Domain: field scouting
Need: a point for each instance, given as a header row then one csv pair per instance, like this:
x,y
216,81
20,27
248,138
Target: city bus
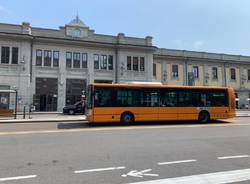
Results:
x,y
133,102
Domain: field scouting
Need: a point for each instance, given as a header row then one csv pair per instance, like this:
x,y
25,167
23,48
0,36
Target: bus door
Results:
x,y
168,109
149,104
188,104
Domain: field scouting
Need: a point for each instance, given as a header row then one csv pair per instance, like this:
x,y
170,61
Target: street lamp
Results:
x,y
122,69
164,76
243,79
206,77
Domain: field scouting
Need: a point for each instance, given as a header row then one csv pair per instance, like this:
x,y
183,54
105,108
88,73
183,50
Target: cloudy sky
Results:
x,y
221,26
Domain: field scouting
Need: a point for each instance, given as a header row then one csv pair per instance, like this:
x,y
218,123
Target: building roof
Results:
x,y
77,22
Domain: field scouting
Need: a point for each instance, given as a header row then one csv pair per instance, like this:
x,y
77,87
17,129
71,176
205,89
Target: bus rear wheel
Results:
x,y
204,117
127,118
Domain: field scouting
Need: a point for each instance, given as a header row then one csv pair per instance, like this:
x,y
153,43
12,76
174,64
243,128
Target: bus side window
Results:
x,y
168,98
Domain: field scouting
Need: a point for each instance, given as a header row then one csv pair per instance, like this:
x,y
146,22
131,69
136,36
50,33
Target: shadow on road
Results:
x,y
161,123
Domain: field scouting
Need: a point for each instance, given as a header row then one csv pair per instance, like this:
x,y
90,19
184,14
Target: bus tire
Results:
x,y
204,117
127,118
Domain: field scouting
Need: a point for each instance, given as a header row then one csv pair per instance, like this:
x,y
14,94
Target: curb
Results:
x,y
42,121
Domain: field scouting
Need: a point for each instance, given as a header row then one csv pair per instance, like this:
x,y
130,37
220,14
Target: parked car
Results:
x,y
77,108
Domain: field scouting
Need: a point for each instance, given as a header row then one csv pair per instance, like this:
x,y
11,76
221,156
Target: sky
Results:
x,y
220,26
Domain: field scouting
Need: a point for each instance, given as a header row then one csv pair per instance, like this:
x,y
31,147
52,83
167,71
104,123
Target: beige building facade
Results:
x,y
51,67
180,67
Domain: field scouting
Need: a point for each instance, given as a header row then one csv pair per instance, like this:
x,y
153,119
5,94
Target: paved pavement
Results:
x,y
43,117
242,113
183,152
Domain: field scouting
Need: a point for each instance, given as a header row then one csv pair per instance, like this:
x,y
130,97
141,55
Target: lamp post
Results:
x,y
122,69
206,78
164,76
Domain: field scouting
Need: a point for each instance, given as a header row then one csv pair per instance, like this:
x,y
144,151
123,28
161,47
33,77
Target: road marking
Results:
x,y
236,156
18,178
140,174
118,128
100,169
176,162
214,178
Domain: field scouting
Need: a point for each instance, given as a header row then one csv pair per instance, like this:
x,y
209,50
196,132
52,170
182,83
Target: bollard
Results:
x,y
29,111
24,111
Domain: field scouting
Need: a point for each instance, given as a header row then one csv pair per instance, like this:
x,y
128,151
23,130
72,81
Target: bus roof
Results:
x,y
157,86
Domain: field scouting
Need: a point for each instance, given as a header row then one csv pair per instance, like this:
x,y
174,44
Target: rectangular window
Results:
x,y
14,55
196,72
96,61
214,73
5,56
76,60
233,74
135,63
175,73
55,58
84,60
69,59
110,62
129,62
154,69
47,58
39,57
142,64
103,62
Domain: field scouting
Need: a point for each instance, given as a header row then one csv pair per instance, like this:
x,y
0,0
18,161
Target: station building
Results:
x,y
51,67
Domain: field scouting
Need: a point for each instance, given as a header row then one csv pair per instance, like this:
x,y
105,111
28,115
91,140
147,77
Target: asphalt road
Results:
x,y
184,152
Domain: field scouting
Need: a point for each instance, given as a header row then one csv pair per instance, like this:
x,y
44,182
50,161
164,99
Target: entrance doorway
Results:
x,y
45,98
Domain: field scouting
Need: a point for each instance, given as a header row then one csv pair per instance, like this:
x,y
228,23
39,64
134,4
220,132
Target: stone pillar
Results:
x,y
149,67
90,73
61,96
224,75
205,75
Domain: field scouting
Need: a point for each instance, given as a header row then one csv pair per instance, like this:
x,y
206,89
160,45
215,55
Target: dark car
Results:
x,y
77,108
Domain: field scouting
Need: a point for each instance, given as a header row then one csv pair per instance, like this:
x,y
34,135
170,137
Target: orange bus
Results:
x,y
127,103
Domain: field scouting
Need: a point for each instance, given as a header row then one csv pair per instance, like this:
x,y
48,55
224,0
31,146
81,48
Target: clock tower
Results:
x,y
76,28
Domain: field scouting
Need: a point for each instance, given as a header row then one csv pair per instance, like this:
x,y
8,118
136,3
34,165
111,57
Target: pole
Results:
x,y
24,110
16,106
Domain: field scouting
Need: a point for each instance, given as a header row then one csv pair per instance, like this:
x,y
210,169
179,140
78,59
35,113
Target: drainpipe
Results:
x,y
116,64
186,72
225,76
31,59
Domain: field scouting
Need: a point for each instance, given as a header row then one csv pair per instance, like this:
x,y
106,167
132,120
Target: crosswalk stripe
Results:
x,y
215,178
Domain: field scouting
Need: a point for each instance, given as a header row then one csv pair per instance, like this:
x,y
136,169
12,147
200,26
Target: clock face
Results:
x,y
76,32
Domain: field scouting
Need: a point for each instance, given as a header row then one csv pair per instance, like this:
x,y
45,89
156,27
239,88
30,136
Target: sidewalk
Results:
x,y
242,113
43,117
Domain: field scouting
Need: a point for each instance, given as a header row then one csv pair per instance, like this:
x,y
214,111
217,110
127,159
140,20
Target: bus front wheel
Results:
x,y
204,117
127,118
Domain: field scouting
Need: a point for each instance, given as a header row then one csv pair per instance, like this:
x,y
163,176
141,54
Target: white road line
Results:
x,y
100,169
214,178
176,162
18,178
236,156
